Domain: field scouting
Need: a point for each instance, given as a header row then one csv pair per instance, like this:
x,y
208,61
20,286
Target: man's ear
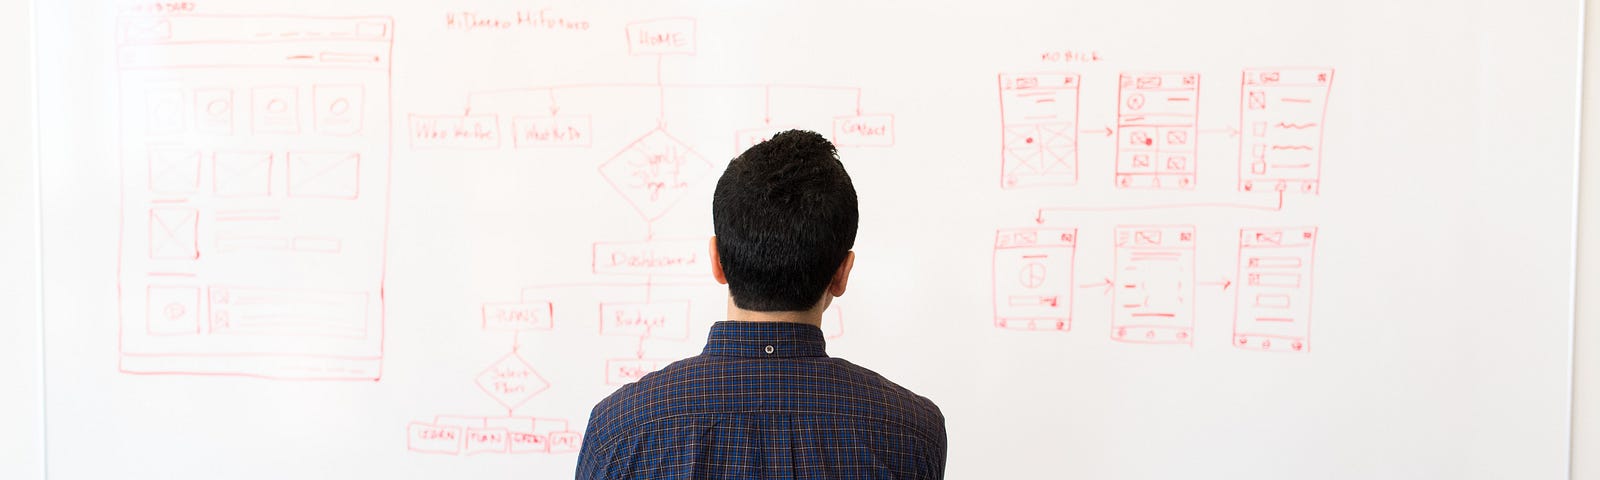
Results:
x,y
716,263
841,277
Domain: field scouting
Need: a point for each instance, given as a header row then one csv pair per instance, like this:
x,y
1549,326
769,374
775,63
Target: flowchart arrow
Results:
x,y
1224,283
1230,130
1274,207
1106,130
1105,283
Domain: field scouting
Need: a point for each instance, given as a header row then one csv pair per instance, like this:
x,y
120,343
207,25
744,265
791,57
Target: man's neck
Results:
x,y
808,317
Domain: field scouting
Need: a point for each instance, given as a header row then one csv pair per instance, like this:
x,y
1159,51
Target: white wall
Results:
x,y
1586,368
21,451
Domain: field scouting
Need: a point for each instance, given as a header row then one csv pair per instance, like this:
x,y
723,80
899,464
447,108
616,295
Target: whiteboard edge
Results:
x,y
40,426
1584,382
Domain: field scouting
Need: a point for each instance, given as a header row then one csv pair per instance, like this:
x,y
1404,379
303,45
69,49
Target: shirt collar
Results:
x,y
765,340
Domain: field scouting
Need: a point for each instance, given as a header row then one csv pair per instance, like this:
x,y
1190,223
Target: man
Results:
x,y
764,400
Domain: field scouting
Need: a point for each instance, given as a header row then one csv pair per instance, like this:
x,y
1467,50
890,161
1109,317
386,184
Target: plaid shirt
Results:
x,y
764,401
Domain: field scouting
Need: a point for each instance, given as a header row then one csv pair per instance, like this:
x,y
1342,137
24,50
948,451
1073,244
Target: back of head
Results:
x,y
785,218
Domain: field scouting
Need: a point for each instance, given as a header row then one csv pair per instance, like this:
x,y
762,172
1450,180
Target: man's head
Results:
x,y
785,218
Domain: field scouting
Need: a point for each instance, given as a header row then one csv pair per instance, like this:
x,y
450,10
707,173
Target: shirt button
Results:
x,y
769,349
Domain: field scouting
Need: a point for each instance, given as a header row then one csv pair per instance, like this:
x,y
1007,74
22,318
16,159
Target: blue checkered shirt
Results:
x,y
763,401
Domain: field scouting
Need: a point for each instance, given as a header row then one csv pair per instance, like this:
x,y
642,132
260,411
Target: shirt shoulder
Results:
x,y
718,385
917,409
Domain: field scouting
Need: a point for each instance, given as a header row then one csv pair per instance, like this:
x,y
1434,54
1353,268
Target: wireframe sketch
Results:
x,y
253,149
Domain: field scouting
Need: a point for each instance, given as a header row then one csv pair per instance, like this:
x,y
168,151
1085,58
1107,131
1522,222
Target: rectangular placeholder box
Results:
x,y
622,371
280,311
871,130
1284,109
174,233
552,131
1039,125
173,310
213,111
662,257
1157,114
524,316
1153,296
339,108
324,175
662,36
1032,277
658,319
426,438
237,174
275,110
174,170
487,440
1274,294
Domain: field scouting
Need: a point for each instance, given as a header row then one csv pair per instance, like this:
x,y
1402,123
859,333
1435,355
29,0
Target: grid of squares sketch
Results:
x,y
240,167
1154,283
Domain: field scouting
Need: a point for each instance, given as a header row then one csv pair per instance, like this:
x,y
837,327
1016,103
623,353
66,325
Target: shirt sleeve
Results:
x,y
591,458
940,453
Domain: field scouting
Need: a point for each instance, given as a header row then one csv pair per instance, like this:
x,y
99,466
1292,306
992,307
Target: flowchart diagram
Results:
x,y
1153,285
643,290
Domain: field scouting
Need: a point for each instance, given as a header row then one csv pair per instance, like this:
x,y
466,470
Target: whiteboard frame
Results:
x,y
22,347
1586,319
23,352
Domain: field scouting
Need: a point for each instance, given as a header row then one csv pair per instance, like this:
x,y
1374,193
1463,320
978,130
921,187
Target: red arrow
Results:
x,y
516,341
1230,130
553,107
1224,283
1107,131
1106,283
640,353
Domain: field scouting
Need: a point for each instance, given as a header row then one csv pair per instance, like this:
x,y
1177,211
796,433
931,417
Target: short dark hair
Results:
x,y
785,217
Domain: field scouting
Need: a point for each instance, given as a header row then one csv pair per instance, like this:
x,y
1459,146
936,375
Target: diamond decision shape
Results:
x,y
654,172
511,381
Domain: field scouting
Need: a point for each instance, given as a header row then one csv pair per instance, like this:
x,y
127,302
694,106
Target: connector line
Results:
x,y
661,93
661,85
1277,206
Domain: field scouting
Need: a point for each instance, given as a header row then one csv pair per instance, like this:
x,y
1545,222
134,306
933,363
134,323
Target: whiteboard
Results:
x,y
1141,240
22,441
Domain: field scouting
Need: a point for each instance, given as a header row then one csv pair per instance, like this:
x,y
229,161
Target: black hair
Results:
x,y
785,217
